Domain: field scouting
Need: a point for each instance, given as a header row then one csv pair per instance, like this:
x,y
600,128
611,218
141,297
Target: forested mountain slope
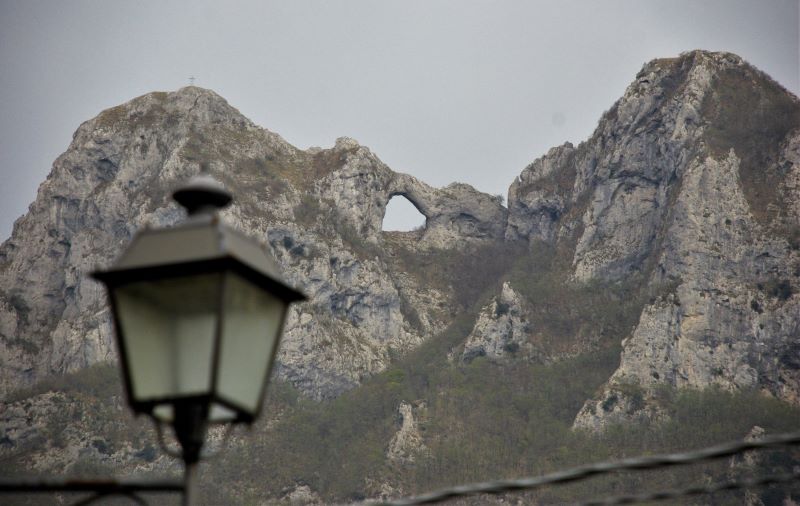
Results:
x,y
650,270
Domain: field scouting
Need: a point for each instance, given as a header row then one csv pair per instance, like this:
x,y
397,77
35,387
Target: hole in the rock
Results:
x,y
402,216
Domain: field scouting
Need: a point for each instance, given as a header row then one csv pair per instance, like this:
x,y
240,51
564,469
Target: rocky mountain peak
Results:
x,y
676,110
346,144
320,211
662,253
688,186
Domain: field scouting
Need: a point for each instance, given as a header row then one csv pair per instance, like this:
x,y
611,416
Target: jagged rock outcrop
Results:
x,y
319,211
363,186
679,187
733,319
539,196
501,329
688,190
406,444
748,464
610,193
302,495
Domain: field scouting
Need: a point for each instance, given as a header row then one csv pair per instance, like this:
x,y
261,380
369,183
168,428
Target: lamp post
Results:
x,y
198,312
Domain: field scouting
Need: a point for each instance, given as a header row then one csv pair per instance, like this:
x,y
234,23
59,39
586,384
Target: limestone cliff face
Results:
x,y
52,319
362,186
501,330
689,182
318,211
689,187
406,445
733,319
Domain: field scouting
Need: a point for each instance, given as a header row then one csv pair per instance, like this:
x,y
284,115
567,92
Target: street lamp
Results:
x,y
198,311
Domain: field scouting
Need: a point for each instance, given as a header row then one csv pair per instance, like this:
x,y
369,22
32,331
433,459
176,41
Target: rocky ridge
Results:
x,y
670,188
501,330
688,188
407,445
319,212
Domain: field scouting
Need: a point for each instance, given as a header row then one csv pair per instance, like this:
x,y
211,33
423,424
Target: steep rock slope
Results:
x,y
319,211
501,329
688,191
690,184
671,234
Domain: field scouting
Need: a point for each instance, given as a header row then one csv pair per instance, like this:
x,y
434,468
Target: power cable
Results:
x,y
591,470
698,490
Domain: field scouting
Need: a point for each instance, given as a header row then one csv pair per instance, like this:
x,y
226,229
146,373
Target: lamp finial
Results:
x,y
202,193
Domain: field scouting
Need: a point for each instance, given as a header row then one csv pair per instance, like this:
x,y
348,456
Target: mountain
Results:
x,y
689,183
319,211
654,266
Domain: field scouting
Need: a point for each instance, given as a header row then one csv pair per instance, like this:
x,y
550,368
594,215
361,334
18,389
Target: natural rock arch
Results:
x,y
402,214
362,186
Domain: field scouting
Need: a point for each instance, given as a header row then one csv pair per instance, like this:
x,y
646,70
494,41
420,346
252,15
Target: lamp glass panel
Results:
x,y
168,329
250,326
219,413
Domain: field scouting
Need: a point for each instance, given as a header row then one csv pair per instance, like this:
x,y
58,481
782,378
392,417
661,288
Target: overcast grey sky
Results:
x,y
444,90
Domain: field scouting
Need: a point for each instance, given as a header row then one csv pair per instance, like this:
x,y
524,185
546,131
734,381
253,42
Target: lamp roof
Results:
x,y
201,244
202,193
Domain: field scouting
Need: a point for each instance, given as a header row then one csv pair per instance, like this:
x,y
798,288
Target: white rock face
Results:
x,y
663,191
718,328
407,445
536,198
302,495
363,186
671,191
501,329
319,212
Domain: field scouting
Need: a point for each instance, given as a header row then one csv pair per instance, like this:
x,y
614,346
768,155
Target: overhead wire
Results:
x,y
587,471
697,490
